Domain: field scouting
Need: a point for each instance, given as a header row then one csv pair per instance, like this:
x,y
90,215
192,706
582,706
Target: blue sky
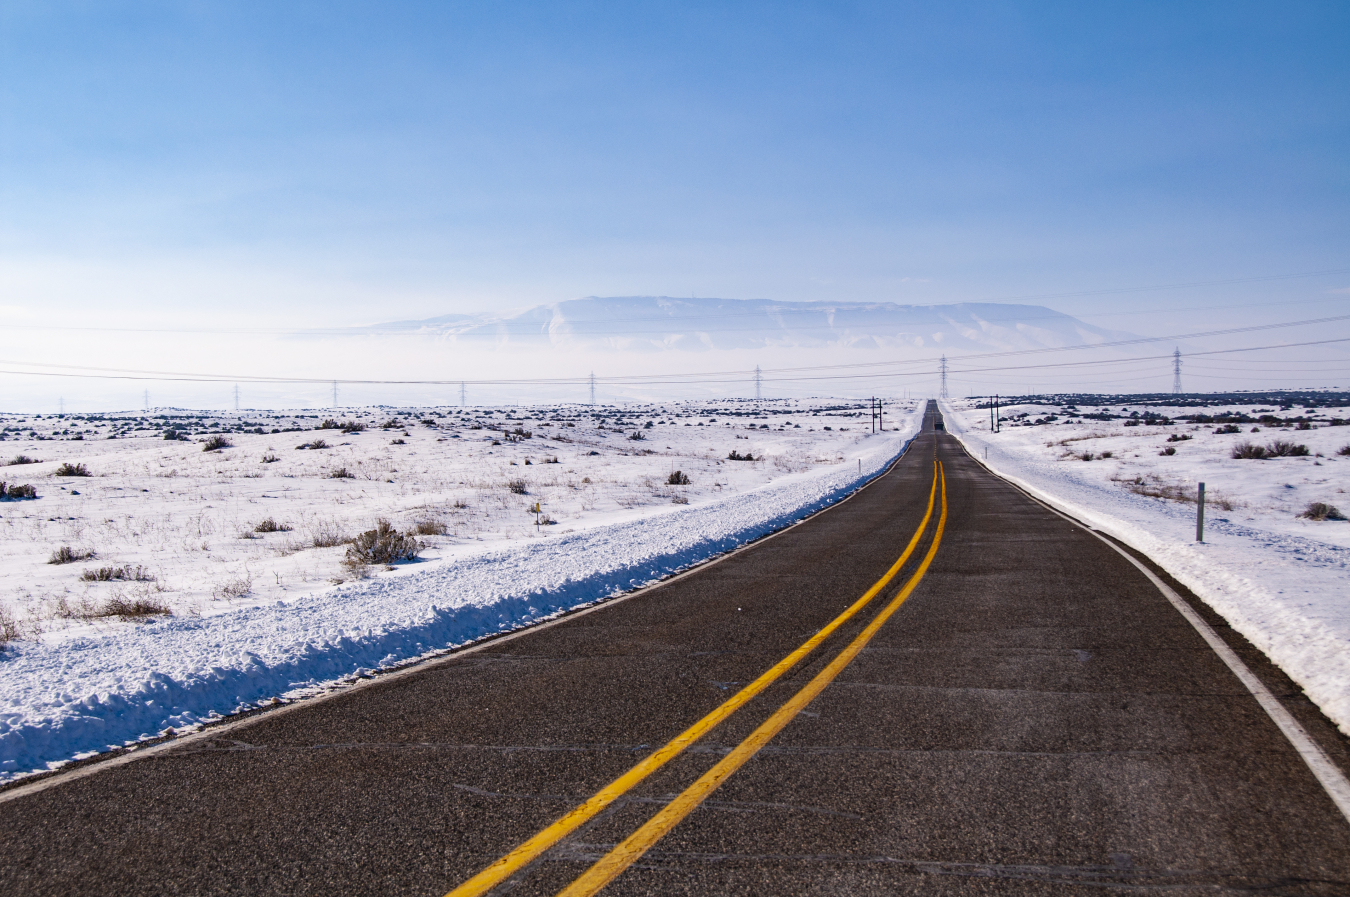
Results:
x,y
222,162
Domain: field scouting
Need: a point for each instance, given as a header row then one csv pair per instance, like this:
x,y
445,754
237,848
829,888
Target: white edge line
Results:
x,y
1327,773
418,665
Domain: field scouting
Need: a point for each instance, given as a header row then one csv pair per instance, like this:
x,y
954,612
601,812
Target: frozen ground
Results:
x,y
523,512
1281,579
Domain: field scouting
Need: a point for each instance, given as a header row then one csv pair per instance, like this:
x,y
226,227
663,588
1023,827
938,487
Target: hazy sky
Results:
x,y
279,164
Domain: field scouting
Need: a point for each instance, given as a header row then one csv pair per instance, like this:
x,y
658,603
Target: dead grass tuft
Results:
x,y
67,555
113,573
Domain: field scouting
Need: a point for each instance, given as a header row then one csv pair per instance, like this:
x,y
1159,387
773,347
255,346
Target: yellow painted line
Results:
x,y
526,853
638,843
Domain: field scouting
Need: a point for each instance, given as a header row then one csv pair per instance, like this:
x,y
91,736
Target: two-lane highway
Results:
x,y
938,686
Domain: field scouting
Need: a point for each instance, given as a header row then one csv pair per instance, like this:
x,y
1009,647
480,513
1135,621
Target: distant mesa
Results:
x,y
654,323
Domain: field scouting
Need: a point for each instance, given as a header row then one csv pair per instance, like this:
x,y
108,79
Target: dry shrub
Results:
x,y
113,573
234,588
517,487
383,545
71,470
9,627
678,478
1343,450
1282,448
271,526
327,535
341,473
67,555
1177,492
430,527
132,608
16,492
216,443
737,456
1322,511
22,459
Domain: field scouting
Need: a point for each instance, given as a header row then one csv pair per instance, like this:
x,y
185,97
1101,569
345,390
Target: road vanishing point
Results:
x,y
939,686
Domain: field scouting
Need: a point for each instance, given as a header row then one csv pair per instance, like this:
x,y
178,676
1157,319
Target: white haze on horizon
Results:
x,y
422,352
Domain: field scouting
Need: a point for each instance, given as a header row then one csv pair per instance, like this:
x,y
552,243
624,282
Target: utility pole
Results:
x,y
759,383
1176,371
592,387
942,367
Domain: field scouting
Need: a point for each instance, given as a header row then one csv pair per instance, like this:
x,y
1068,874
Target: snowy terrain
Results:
x,y
523,513
1280,579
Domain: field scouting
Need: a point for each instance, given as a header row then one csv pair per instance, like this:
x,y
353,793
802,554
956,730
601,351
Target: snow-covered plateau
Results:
x,y
156,582
1275,556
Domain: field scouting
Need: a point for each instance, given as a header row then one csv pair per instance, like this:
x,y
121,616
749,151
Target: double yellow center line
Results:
x,y
640,841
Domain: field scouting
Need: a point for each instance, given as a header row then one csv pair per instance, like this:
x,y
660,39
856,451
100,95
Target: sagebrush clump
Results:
x,y
678,478
1279,448
216,443
271,526
71,470
1320,510
16,492
383,545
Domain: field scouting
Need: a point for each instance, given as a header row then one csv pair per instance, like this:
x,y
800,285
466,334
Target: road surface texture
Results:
x,y
1035,718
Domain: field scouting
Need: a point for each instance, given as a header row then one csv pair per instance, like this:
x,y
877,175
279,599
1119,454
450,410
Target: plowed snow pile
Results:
x,y
235,557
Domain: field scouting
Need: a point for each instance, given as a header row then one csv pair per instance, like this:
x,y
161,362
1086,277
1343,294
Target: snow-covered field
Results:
x,y
179,602
1280,579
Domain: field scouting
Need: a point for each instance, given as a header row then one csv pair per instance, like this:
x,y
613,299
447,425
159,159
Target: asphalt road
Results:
x,y
1034,719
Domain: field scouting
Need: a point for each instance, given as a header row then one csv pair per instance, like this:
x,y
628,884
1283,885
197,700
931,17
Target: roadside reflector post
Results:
x,y
1200,514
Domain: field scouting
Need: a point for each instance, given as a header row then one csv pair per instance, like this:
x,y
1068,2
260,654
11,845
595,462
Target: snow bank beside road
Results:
x,y
1284,591
88,694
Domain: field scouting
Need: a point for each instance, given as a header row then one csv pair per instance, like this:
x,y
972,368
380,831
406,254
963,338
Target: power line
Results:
x,y
691,378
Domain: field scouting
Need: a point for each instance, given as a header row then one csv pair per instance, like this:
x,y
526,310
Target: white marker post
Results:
x,y
1200,514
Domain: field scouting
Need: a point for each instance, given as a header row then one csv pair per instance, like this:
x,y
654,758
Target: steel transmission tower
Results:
x,y
942,367
236,397
461,393
759,383
1176,371
592,387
